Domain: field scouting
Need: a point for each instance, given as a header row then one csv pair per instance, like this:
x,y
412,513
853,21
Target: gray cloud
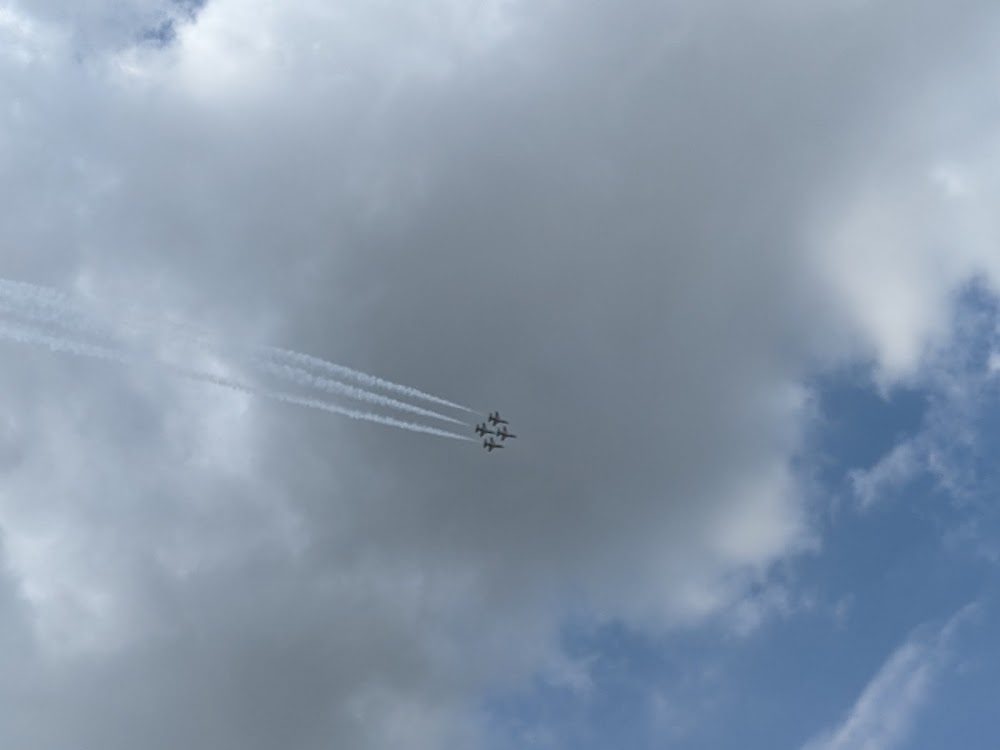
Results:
x,y
602,220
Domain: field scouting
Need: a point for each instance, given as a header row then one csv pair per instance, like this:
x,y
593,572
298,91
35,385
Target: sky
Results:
x,y
730,269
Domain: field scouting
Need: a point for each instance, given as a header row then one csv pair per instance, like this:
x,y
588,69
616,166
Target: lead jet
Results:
x,y
482,429
490,445
495,419
503,434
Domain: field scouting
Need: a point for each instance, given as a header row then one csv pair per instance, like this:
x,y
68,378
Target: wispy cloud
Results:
x,y
959,382
887,708
892,472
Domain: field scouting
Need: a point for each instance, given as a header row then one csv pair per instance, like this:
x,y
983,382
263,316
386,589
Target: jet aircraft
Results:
x,y
495,419
482,429
503,434
490,445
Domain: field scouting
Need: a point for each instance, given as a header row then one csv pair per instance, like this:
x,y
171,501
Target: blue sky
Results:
x,y
729,268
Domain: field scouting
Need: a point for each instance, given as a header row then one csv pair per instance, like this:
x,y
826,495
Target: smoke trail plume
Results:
x,y
51,305
303,377
364,379
26,335
66,314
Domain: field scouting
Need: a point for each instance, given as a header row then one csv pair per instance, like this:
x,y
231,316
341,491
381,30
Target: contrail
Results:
x,y
370,381
303,377
77,319
34,291
53,305
25,335
40,310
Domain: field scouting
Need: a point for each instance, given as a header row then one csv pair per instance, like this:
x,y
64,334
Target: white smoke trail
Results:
x,y
303,377
69,316
26,335
46,311
25,290
44,305
52,305
369,381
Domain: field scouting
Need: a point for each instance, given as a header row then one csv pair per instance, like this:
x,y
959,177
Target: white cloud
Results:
x,y
24,41
993,364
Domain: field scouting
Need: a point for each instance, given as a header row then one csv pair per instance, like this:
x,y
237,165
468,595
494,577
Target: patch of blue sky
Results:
x,y
164,33
857,426
923,547
706,689
957,446
190,6
627,705
160,35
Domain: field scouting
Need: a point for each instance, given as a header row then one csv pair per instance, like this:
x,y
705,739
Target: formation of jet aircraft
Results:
x,y
500,431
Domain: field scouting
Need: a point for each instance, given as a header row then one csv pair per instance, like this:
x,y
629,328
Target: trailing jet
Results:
x,y
503,434
482,429
489,445
495,419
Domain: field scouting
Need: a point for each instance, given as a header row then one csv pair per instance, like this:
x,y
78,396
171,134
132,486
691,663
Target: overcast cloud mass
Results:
x,y
661,236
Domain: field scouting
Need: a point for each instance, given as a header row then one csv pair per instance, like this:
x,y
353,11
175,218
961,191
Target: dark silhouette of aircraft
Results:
x,y
503,434
490,445
482,429
495,419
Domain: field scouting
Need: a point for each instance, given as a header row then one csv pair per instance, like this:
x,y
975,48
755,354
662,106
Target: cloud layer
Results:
x,y
635,227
